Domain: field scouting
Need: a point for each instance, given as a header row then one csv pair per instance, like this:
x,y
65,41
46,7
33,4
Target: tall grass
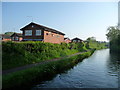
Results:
x,y
27,78
15,54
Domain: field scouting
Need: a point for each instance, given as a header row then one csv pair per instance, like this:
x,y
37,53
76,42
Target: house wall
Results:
x,y
20,38
76,41
67,41
13,38
33,32
45,35
4,39
53,37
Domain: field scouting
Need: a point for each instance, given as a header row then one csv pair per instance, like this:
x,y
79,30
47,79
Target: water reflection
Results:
x,y
113,63
98,71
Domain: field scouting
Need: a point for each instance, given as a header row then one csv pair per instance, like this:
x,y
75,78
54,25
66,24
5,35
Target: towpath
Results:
x,y
36,64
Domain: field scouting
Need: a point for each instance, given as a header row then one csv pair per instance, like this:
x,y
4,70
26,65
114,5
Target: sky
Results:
x,y
75,19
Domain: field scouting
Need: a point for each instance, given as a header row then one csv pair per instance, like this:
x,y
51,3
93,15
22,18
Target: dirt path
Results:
x,y
32,65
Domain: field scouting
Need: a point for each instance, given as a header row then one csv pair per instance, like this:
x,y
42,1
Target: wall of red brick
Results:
x,y
67,41
6,39
53,37
20,38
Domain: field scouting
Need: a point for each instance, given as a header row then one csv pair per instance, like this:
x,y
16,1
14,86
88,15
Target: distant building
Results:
x,y
16,37
36,32
4,37
77,40
67,40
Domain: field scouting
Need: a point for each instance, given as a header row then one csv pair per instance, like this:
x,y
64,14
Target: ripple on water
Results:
x,y
98,71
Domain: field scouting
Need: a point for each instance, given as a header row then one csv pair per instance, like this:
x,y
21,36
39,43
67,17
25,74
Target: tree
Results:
x,y
113,36
9,33
113,33
91,39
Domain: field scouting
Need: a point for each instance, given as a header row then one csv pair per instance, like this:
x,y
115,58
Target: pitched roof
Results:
x,y
77,39
18,34
66,38
45,28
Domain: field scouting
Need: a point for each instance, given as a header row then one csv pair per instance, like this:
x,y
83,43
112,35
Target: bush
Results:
x,y
31,76
15,54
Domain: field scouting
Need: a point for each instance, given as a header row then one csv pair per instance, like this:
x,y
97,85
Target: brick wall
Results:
x,y
53,37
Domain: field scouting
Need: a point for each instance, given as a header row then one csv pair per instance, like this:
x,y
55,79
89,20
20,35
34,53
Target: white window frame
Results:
x,y
28,32
38,32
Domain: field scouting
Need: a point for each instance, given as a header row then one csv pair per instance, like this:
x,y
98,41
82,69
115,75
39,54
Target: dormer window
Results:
x,y
38,32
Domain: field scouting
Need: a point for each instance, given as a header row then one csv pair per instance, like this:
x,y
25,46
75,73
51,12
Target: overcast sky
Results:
x,y
75,19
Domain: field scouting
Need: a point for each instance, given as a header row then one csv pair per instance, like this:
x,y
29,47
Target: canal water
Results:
x,y
101,70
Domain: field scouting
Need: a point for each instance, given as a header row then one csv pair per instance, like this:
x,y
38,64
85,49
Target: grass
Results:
x,y
97,45
20,54
29,77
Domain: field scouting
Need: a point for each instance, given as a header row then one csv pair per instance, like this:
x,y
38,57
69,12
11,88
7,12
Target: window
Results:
x,y
12,38
49,33
38,32
28,32
52,34
57,36
74,40
78,40
16,38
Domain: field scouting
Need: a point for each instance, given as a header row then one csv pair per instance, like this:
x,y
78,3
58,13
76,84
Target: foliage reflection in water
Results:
x,y
98,71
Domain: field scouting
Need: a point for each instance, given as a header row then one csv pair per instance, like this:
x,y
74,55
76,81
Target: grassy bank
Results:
x,y
27,78
96,45
15,54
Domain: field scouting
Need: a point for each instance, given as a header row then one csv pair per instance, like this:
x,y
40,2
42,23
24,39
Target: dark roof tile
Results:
x,y
45,28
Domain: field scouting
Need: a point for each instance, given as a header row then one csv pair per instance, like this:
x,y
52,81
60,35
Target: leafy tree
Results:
x,y
113,36
113,33
91,39
9,33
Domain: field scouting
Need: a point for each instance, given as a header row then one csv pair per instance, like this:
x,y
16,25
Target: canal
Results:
x,y
98,71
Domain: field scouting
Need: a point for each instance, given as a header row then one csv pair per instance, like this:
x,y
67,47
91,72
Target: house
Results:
x,y
77,40
36,32
67,40
4,37
16,37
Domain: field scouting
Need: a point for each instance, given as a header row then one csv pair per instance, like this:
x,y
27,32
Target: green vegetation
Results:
x,y
15,54
113,36
93,44
26,78
9,33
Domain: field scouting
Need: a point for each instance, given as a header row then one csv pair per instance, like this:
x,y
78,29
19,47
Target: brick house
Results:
x,y
16,37
4,37
77,40
36,32
67,40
